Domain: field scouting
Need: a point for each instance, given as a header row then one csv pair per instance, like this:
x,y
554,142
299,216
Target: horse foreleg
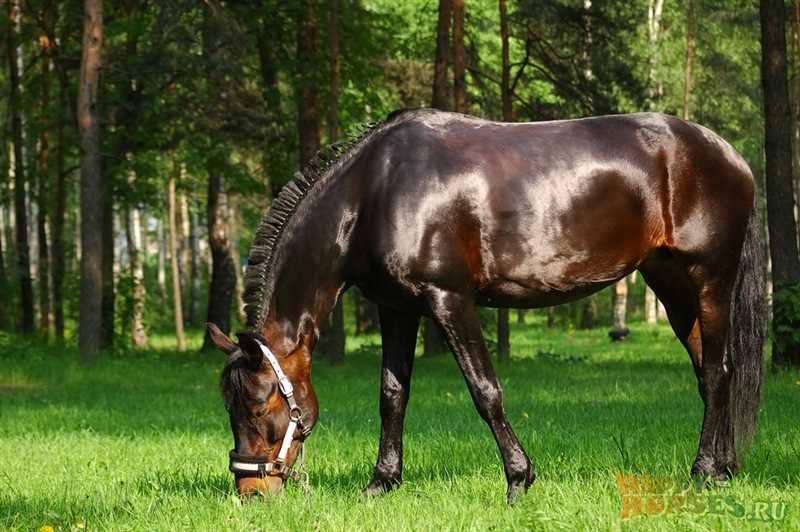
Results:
x,y
398,339
459,320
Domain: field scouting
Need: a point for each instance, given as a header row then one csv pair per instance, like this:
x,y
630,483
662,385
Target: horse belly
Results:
x,y
564,251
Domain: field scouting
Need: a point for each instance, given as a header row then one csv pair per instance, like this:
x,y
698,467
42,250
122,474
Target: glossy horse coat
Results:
x,y
433,213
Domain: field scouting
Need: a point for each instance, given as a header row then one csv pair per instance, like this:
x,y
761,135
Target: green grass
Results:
x,y
140,441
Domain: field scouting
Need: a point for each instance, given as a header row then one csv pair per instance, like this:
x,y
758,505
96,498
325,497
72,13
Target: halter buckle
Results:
x,y
286,386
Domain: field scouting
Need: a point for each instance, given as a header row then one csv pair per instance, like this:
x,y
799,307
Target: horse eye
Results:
x,y
260,411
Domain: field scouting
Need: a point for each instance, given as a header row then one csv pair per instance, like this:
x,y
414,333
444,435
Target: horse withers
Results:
x,y
433,214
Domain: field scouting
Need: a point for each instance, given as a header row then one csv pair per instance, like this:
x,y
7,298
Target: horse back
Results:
x,y
538,213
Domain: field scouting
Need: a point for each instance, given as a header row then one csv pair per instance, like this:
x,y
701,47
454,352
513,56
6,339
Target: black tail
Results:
x,y
746,334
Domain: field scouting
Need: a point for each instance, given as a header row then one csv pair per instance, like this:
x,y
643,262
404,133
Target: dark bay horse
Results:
x,y
433,213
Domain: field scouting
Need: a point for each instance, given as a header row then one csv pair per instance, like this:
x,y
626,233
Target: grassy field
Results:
x,y
140,441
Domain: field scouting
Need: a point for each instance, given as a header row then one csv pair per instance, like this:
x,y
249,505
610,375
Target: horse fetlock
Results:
x,y
381,484
707,468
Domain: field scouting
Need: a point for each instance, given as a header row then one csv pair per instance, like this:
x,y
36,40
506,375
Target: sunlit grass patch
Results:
x,y
139,441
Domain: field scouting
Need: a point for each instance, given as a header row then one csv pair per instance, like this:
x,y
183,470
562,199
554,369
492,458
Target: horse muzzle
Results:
x,y
248,486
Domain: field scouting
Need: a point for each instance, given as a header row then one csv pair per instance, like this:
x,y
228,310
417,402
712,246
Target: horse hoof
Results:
x,y
515,492
517,489
708,474
376,488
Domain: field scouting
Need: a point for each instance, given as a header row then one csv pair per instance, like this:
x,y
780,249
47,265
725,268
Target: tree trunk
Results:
x,y
44,172
780,197
236,258
551,317
333,340
333,32
133,235
505,85
3,285
108,265
654,13
223,276
503,344
20,212
619,303
433,340
688,70
367,320
459,76
440,81
161,275
520,316
59,210
503,340
650,306
193,272
177,300
795,98
184,237
588,313
91,300
307,110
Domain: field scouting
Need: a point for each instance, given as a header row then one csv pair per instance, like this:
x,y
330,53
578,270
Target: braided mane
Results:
x,y
258,277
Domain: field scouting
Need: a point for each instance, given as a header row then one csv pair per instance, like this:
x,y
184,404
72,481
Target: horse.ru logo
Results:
x,y
654,496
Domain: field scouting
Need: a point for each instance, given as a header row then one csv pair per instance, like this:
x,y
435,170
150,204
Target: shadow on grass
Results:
x,y
166,393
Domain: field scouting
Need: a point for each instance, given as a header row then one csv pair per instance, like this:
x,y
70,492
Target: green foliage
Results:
x,y
786,316
187,83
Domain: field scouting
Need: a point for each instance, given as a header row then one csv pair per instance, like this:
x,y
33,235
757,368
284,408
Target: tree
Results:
x,y
333,340
503,342
14,57
64,110
795,98
656,91
780,194
48,17
619,303
307,109
92,208
688,71
459,78
133,237
433,340
505,84
440,83
177,300
223,275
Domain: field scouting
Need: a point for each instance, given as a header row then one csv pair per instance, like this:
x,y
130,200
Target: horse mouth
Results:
x,y
249,486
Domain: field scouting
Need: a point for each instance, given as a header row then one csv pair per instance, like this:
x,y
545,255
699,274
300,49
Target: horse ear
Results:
x,y
250,344
220,339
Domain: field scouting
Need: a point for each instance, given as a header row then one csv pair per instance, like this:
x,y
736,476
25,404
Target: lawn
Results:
x,y
140,442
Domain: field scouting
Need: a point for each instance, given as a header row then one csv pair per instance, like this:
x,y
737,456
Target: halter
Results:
x,y
245,465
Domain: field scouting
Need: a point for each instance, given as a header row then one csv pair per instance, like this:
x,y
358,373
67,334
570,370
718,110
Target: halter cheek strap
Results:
x,y
250,466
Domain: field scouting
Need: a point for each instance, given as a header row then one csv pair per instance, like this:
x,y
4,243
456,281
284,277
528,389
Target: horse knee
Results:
x,y
392,390
489,399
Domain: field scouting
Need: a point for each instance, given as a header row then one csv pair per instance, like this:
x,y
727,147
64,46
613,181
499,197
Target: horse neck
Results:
x,y
310,265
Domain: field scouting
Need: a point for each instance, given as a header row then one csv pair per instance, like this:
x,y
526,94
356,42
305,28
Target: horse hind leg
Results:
x,y
697,300
670,281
